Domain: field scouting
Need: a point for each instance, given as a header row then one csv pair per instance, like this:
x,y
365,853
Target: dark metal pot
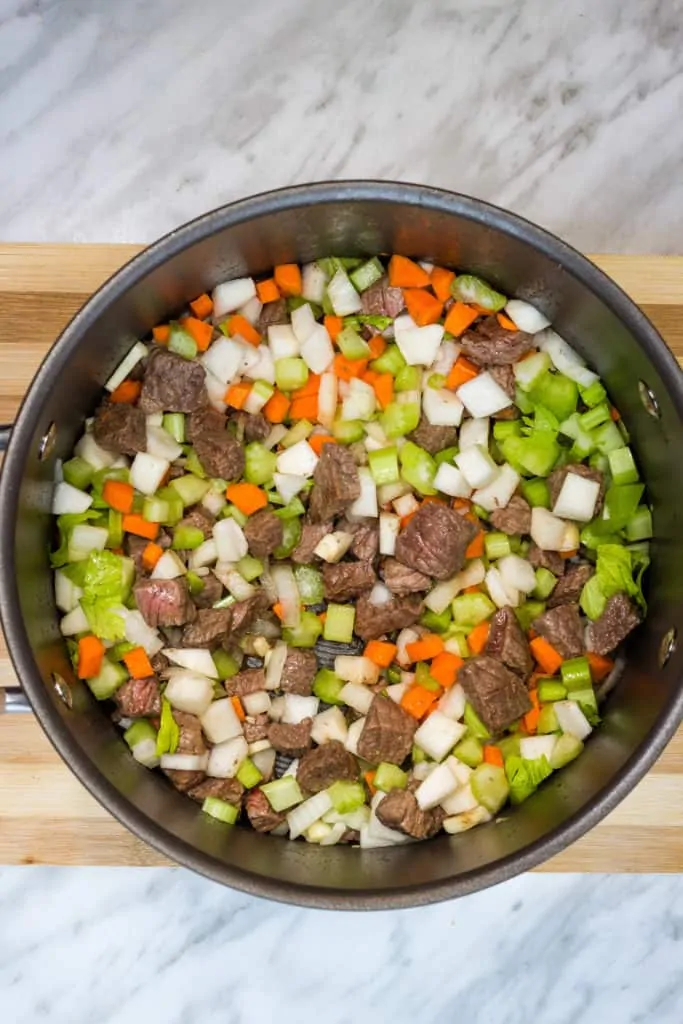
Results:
x,y
300,224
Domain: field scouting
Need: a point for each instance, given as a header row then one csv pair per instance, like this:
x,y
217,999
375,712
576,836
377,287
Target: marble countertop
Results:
x,y
119,121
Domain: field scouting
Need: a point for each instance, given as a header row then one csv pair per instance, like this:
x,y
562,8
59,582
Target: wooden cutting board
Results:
x,y
45,814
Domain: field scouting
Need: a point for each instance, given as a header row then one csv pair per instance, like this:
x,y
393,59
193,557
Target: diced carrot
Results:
x,y
370,376
481,310
279,610
433,499
288,278
506,322
473,589
462,503
546,655
138,664
442,279
239,324
462,371
133,523
600,666
405,273
406,519
202,306
127,392
118,495
427,647
459,318
493,755
304,408
383,387
237,705
90,655
476,640
475,548
380,652
267,291
161,334
377,345
530,720
369,777
317,441
199,330
276,408
237,394
418,700
347,369
334,325
422,306
569,554
614,414
151,555
311,387
444,668
248,498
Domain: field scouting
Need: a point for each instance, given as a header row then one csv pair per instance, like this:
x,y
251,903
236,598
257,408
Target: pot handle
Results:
x,y
14,700
5,431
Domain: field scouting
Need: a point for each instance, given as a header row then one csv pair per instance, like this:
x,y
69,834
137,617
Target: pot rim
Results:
x,y
42,701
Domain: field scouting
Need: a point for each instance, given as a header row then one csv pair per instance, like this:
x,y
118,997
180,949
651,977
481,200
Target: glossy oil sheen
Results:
x,y
352,218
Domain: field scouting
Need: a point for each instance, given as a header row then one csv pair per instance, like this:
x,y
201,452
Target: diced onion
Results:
x,y
353,735
220,721
526,317
303,816
343,296
287,594
532,748
405,505
405,637
482,396
184,762
547,531
329,725
264,761
498,493
225,758
88,449
389,527
282,341
67,594
313,283
316,350
333,546
442,408
256,703
452,704
440,596
468,819
274,666
169,567
501,594
215,389
189,691
516,572
74,622
461,801
327,399
474,432
68,499
380,594
224,358
418,345
251,310
234,582
299,460
577,498
147,472
205,554
438,734
161,444
357,697
297,708
437,786
231,544
572,719
451,480
565,359
197,659
477,466
354,668
365,505
139,633
138,352
230,295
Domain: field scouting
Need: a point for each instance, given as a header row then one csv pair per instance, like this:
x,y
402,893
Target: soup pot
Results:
x,y
355,218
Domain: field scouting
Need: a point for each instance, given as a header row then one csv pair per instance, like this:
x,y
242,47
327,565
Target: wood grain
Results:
x,y
46,816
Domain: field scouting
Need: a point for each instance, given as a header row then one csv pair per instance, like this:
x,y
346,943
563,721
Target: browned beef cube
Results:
x,y
347,579
336,483
489,344
399,810
387,734
256,727
261,815
139,698
613,626
299,672
244,613
373,620
209,628
293,740
433,438
211,592
435,540
229,790
402,580
550,560
164,602
328,763
514,519
220,454
558,476
172,383
249,680
562,628
497,695
200,519
568,588
507,642
121,428
264,533
311,535
382,299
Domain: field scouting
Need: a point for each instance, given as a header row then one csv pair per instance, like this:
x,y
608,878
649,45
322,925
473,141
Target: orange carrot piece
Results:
x,y
427,647
462,371
239,324
423,307
406,273
239,710
133,523
347,369
248,498
311,387
459,318
267,291
545,654
383,387
279,610
317,441
118,495
417,700
406,519
473,589
237,394
506,322
442,279
127,392
138,664
288,278
614,414
161,334
276,408
493,755
444,668
370,376
202,306
600,666
380,652
90,655
476,641
151,555
569,554
475,549
334,325
462,503
199,330
377,346
304,408
530,720
369,777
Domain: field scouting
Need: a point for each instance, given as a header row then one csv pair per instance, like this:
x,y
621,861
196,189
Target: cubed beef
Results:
x,y
323,765
229,790
293,740
568,588
542,559
433,438
261,815
336,483
244,613
298,672
139,698
209,628
256,727
159,663
504,377
190,741
134,548
497,695
272,313
249,680
255,426
382,299
613,626
489,344
387,734
507,642
373,620
200,519
557,478
400,811
211,592
514,519
121,428
172,383
347,579
220,454
264,532
435,540
402,580
562,628
365,543
164,602
184,780
311,535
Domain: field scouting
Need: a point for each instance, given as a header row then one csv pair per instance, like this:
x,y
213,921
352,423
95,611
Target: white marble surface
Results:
x,y
119,120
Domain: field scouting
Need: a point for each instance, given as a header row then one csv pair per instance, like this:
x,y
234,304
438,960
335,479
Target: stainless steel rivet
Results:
x,y
667,646
62,689
649,400
47,442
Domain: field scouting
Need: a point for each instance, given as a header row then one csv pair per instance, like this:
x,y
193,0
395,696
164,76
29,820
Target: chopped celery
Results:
x,y
592,600
384,465
348,431
550,690
327,686
78,472
535,455
417,468
193,465
565,750
525,776
556,393
423,678
509,746
168,736
115,527
310,584
576,673
249,568
291,535
400,419
380,323
154,510
471,289
339,623
607,437
470,751
297,301
595,417
547,720
639,526
248,774
497,545
226,665
259,464
480,512
366,274
282,793
187,538
407,379
527,612
622,466
291,510
599,461
190,488
291,373
545,583
221,810
490,786
389,776
621,502
174,424
306,633
506,428
195,583
436,623
394,674
471,609
232,512
588,703
437,380
139,731
446,455
474,724
352,345
391,361
180,342
417,755
594,394
346,796
523,402
117,652
299,432
105,684
598,532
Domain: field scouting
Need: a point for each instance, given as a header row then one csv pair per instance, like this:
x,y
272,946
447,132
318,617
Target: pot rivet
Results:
x,y
62,689
667,647
649,400
47,442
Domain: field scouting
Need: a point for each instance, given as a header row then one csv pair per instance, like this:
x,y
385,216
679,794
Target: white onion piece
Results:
x,y
275,436
251,310
89,450
215,389
220,721
477,466
440,596
256,703
231,544
213,502
275,663
343,296
501,594
303,322
139,633
299,460
161,444
526,317
147,472
451,480
225,758
356,668
329,725
68,499
138,352
327,399
145,752
313,283
438,734
572,719
277,709
461,801
547,531
565,359
452,704
577,498
189,691
418,345
405,637
374,834
197,659
334,835
303,816
516,572
379,594
396,691
457,823
264,761
406,505
333,546
316,350
297,708
169,567
74,622
288,485
532,748
230,295
67,594
287,594
482,396
365,505
357,697
224,358
442,408
389,527
361,401
446,358
387,493
184,762
474,432
282,341
353,735
437,786
233,581
262,367
205,554
498,493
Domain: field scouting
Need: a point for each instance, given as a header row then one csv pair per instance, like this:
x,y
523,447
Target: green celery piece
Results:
x,y
436,623
180,342
490,786
389,776
249,568
292,510
527,612
282,793
566,749
78,473
556,393
290,373
400,419
471,609
352,345
545,583
407,379
306,633
470,751
525,776
299,432
248,774
384,465
174,424
536,492
474,724
226,665
339,623
423,678
168,736
472,290
189,488
105,684
622,466
310,584
621,502
594,394
138,732
348,431
195,583
588,703
446,455
260,464
193,465
187,538
639,526
364,276
115,524
346,796
533,456
391,361
327,686
550,690
221,810
417,468
576,673
291,535
547,721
